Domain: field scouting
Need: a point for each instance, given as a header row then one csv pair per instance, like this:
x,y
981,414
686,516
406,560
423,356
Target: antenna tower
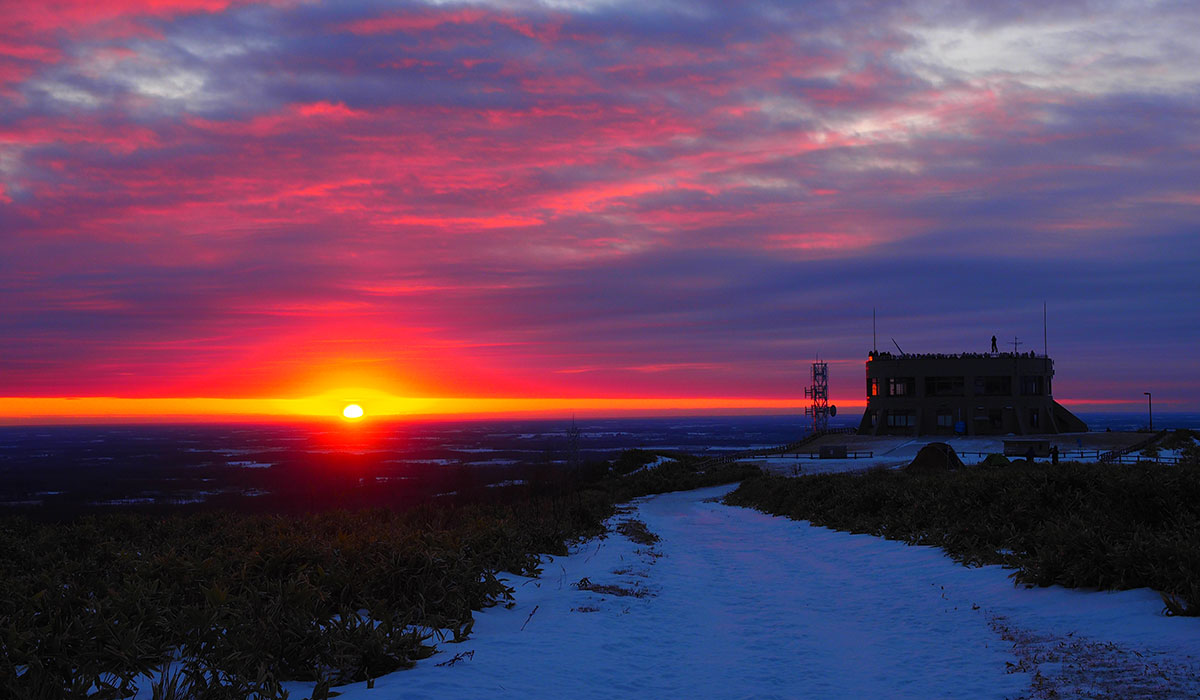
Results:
x,y
573,445
820,410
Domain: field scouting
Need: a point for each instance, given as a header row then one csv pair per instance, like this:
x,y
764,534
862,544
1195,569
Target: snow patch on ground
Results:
x,y
658,462
893,451
136,501
735,603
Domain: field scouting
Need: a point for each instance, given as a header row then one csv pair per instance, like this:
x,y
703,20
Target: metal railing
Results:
x,y
1116,455
850,454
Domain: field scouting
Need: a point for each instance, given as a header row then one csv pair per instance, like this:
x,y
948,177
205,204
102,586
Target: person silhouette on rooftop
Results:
x,y
994,344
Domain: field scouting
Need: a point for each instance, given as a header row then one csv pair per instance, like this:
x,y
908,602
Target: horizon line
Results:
x,y
378,406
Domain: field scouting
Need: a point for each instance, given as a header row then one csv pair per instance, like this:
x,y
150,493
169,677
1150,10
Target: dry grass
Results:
x,y
585,584
1107,526
637,531
1073,667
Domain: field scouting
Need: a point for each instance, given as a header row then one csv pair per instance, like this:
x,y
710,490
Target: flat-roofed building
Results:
x,y
967,394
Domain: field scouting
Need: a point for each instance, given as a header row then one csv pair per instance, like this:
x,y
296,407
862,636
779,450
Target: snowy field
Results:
x,y
732,603
889,451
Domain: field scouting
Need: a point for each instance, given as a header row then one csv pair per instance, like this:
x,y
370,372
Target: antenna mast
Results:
x,y
1045,350
573,444
1045,347
874,344
820,410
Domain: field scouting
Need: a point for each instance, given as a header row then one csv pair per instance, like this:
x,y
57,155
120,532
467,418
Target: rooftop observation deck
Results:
x,y
952,356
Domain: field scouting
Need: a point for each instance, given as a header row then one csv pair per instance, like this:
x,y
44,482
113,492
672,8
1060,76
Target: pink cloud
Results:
x,y
430,19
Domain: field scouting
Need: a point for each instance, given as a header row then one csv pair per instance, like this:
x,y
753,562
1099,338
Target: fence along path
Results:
x,y
1116,455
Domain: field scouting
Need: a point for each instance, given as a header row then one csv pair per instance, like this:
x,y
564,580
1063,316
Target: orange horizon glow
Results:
x,y
376,405
20,410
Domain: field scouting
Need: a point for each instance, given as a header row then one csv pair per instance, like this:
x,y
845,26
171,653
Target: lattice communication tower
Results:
x,y
820,410
573,433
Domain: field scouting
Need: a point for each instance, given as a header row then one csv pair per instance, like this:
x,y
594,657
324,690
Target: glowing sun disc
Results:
x,y
352,411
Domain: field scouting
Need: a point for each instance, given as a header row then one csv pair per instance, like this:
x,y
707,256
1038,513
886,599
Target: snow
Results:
x,y
892,451
658,462
126,501
741,604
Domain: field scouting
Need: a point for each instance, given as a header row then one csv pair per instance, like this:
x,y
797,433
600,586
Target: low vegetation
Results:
x,y
1184,440
1077,525
585,584
637,532
228,605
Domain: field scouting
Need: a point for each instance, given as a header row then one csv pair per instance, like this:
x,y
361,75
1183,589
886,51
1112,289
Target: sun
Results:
x,y
352,412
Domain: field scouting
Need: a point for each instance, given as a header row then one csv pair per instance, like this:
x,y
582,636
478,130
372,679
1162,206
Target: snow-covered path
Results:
x,y
737,604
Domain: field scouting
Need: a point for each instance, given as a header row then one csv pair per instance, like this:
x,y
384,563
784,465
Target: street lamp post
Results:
x,y
1150,408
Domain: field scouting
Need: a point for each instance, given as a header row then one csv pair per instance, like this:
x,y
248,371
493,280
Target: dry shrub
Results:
x,y
1107,526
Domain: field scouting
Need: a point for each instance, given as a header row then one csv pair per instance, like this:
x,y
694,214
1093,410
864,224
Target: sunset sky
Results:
x,y
226,208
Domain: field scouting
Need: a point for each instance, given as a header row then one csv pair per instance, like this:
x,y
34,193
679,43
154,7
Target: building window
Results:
x,y
900,419
1034,418
993,386
872,386
901,386
1032,386
945,386
945,419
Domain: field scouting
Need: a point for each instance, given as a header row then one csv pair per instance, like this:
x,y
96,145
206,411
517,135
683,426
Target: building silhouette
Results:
x,y
965,394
